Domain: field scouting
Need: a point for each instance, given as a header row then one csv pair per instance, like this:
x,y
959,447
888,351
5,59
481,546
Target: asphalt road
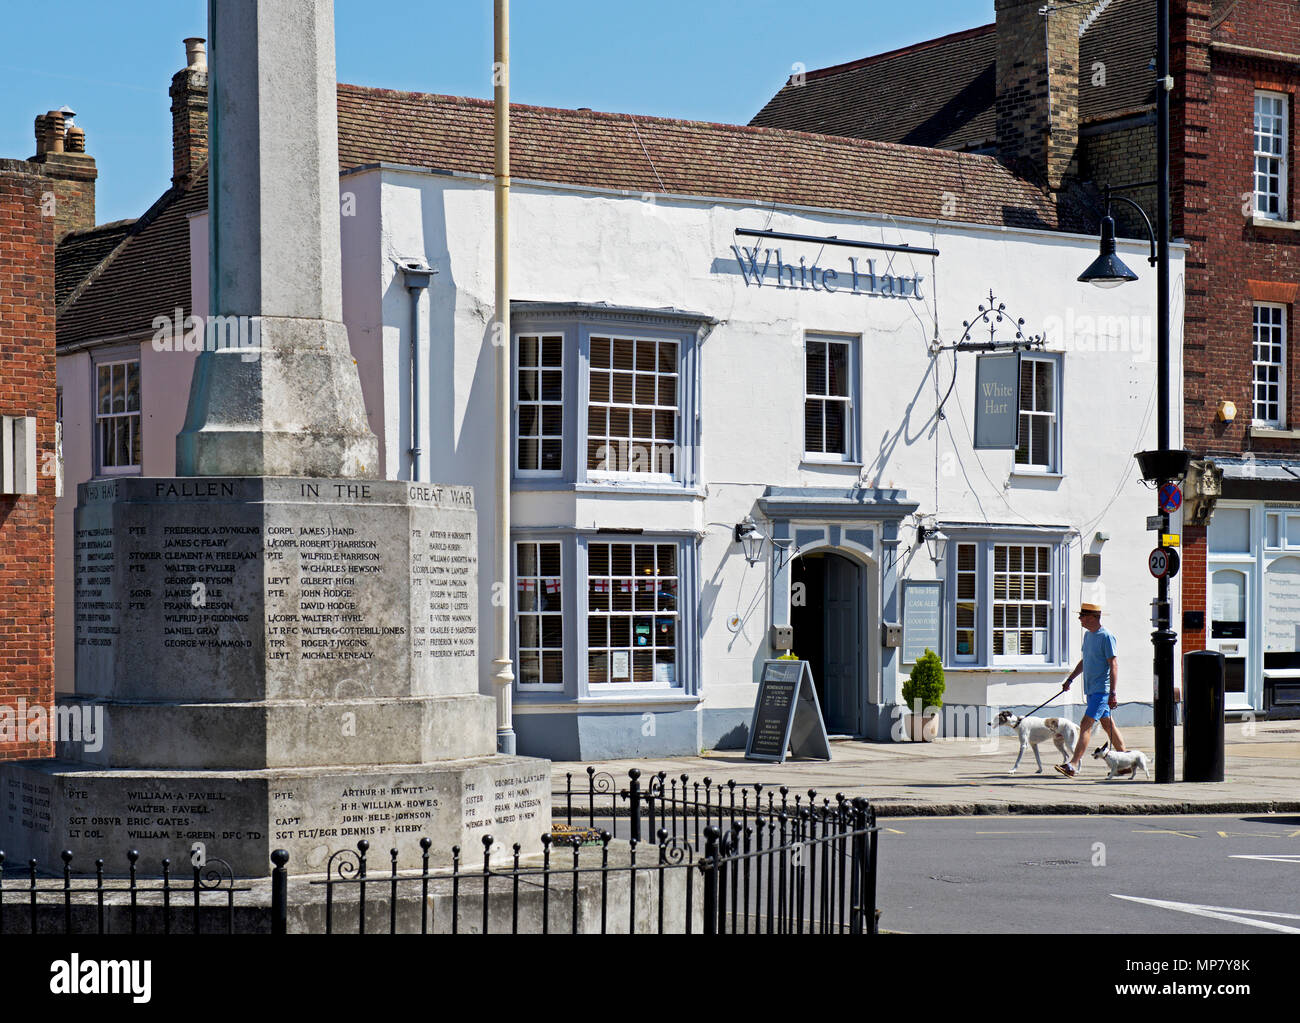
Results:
x,y
1054,875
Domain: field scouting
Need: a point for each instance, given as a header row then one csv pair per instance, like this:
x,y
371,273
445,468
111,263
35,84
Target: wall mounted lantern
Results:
x,y
935,540
752,539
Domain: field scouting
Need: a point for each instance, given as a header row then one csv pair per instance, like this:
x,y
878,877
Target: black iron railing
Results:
x,y
663,855
88,904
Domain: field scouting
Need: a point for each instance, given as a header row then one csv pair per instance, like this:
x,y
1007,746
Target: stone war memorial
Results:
x,y
284,648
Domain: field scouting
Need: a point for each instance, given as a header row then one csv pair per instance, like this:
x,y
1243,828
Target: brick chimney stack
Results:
x,y
61,150
189,94
1038,88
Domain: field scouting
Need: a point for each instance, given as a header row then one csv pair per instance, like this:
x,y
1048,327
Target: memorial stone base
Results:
x,y
274,663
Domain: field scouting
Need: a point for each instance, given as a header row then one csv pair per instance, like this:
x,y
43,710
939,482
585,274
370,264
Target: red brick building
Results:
x,y
1237,68
1065,94
28,218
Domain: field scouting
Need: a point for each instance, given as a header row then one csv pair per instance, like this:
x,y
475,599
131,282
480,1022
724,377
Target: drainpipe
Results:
x,y
417,277
503,675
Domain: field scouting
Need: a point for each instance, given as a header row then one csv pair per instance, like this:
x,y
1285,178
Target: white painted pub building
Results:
x,y
675,377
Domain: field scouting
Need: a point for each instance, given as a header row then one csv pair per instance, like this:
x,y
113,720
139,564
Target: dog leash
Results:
x,y
1043,704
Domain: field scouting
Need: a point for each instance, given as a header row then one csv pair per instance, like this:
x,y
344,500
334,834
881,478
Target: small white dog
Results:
x,y
1127,762
1063,733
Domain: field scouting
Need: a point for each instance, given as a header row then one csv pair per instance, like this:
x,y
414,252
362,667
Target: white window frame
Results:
x,y
1019,576
1278,135
1279,313
540,402
966,580
986,540
537,580
1053,416
848,400
611,405
631,684
98,417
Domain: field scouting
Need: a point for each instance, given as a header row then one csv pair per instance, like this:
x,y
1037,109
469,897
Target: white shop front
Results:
x,y
674,379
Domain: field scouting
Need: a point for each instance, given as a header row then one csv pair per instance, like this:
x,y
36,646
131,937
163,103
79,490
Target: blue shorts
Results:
x,y
1098,706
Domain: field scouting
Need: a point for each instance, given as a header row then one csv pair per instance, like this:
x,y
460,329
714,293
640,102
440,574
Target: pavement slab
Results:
x,y
961,777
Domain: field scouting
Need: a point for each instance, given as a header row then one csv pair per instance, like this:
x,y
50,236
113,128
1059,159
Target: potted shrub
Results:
x,y
923,692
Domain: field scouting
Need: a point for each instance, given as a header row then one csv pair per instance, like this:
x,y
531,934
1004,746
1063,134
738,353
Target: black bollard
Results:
x,y
1203,716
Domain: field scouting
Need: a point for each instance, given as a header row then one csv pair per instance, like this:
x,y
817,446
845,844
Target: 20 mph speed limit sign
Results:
x,y
1163,562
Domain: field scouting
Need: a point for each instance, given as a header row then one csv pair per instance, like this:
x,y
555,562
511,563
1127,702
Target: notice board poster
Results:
x,y
922,619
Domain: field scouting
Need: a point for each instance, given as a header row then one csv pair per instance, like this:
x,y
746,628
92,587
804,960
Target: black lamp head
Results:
x,y
1107,270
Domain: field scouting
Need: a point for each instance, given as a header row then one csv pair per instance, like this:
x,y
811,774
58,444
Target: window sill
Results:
x,y
1273,433
548,703
525,485
824,463
632,487
1036,474
1281,225
1003,669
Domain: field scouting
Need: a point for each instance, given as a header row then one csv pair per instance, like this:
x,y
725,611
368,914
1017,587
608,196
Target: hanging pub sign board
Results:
x,y
922,601
787,715
997,402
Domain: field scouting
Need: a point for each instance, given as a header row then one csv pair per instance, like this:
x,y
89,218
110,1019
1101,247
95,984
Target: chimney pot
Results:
x,y
54,131
196,54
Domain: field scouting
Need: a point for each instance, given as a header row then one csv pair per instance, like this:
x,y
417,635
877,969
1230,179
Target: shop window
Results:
x,y
1269,366
1037,443
632,406
828,400
1230,531
1021,601
1228,605
539,404
967,605
539,616
117,417
632,615
1270,155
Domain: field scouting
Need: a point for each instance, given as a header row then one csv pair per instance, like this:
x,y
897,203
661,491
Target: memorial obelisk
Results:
x,y
289,405
284,649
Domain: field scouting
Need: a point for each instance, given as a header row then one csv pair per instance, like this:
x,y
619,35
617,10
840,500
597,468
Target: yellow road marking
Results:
x,y
1253,834
895,831
1152,831
1013,832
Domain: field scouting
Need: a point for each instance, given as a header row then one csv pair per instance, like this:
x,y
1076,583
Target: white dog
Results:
x,y
1063,733
1127,762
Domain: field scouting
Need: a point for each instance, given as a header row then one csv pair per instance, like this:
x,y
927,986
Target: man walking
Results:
x,y
1100,668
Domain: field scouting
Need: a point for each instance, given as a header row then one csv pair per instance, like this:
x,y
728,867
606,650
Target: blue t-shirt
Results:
x,y
1098,648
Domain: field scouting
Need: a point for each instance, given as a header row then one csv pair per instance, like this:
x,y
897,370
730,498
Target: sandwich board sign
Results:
x,y
787,716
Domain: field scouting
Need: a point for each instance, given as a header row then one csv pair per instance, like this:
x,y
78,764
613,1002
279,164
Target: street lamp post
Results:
x,y
1162,465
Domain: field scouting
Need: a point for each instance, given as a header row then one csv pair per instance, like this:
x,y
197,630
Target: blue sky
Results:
x,y
714,60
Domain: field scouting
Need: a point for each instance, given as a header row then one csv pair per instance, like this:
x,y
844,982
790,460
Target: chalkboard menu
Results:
x,y
787,716
922,619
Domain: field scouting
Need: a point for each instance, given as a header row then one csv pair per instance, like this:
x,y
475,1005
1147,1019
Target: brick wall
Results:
x,y
1234,263
27,388
1122,153
1038,89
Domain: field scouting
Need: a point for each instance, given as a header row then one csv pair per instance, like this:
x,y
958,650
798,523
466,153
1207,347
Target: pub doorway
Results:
x,y
826,612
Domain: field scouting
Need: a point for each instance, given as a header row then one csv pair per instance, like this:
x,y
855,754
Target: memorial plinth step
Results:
x,y
242,816
248,736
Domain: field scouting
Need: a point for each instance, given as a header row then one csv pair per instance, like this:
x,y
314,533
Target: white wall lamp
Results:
x,y
935,540
752,539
